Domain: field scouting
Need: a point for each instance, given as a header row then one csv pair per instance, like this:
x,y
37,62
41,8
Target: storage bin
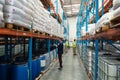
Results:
x,y
42,62
19,71
34,68
110,66
5,71
38,66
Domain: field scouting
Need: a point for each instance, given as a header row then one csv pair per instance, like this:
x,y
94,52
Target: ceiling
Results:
x,y
71,7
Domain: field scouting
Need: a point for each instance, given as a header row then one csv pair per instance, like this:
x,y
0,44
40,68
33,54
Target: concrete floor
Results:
x,y
72,69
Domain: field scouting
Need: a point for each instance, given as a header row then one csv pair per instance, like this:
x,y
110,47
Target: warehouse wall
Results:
x,y
72,23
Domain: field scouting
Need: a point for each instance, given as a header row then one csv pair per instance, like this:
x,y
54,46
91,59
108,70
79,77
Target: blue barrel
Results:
x,y
42,61
34,68
20,71
5,71
38,66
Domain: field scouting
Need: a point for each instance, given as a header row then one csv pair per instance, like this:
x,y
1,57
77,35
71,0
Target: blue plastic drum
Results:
x,y
42,62
20,71
38,66
4,71
34,69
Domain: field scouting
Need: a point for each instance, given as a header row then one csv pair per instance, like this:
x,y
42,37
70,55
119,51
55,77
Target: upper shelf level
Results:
x,y
107,5
14,33
112,34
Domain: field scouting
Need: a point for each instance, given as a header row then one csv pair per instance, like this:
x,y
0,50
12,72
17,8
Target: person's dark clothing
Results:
x,y
60,48
60,60
60,52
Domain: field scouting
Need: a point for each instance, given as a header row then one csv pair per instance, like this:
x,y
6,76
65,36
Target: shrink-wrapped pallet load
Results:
x,y
104,21
28,14
18,12
116,4
116,12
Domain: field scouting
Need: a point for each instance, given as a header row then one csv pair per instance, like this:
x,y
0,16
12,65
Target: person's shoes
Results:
x,y
75,54
60,68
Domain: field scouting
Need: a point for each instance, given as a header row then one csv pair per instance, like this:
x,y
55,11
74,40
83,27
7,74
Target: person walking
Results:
x,y
60,52
74,47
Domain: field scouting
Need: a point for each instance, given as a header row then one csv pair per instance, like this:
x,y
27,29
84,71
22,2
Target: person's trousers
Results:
x,y
74,50
60,60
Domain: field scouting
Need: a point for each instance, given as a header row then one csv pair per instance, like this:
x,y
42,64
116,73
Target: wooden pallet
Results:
x,y
15,27
41,33
116,25
104,28
90,76
39,77
115,21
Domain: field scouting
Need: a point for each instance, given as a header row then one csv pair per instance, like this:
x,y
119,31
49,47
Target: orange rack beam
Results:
x,y
112,34
15,33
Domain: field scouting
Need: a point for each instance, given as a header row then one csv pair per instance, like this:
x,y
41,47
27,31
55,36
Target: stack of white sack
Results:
x,y
116,7
42,21
116,12
91,29
2,2
116,4
27,12
61,31
104,20
18,12
40,17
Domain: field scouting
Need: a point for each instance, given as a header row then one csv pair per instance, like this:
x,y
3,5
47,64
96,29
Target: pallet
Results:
x,y
15,27
41,33
105,28
39,77
115,26
115,20
90,76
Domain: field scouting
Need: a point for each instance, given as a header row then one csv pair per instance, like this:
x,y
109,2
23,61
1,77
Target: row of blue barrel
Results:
x,y
20,70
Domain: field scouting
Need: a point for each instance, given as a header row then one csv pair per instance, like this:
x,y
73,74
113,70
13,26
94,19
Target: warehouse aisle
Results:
x,y
72,69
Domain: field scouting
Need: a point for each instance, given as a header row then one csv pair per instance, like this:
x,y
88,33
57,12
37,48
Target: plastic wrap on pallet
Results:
x,y
17,16
116,12
25,12
116,4
10,18
22,4
105,19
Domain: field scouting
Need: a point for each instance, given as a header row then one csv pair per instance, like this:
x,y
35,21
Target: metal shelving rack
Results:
x,y
27,37
108,36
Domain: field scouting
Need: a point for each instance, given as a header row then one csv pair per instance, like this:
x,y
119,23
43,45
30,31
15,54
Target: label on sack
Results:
x,y
43,63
